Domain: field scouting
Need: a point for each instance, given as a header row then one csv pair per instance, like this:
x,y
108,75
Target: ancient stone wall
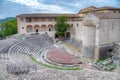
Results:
x,y
109,30
78,30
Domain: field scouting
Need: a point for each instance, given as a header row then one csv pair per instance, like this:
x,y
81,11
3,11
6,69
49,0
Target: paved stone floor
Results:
x,y
61,56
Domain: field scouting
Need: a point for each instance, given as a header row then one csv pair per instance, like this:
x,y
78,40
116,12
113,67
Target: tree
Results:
x,y
61,25
9,28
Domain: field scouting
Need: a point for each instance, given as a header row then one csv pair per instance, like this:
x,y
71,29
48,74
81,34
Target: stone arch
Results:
x,y
56,35
50,27
36,28
68,35
29,29
43,27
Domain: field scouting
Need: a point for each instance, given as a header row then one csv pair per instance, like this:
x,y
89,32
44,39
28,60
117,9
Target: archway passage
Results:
x,y
50,27
36,28
68,35
62,57
43,28
56,36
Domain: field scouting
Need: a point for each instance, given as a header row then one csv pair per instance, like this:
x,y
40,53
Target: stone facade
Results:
x,y
99,31
41,23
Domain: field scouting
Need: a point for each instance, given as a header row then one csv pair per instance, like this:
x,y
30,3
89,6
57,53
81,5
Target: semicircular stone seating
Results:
x,y
34,45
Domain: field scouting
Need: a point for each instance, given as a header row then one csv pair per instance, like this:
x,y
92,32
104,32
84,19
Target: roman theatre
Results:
x,y
90,48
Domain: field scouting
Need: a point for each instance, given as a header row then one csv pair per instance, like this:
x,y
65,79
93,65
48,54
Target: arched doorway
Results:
x,y
56,35
50,27
36,28
29,28
67,34
43,28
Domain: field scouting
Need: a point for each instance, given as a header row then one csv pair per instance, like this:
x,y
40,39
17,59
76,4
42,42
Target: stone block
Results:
x,y
88,51
104,50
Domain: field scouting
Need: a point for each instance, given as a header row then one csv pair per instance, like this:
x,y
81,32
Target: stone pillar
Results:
x,y
88,44
88,51
96,54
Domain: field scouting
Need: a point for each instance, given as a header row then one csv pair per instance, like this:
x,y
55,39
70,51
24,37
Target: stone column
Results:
x,y
88,45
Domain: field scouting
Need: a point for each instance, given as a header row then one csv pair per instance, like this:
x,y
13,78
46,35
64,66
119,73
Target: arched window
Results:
x,y
77,24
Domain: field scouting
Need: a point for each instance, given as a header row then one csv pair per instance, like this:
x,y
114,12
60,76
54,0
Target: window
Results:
x,y
43,19
22,27
77,24
22,19
28,20
50,19
30,30
36,19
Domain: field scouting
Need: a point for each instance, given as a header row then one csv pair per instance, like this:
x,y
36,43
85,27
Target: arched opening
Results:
x,y
111,50
56,36
43,28
71,25
50,27
67,34
36,28
29,28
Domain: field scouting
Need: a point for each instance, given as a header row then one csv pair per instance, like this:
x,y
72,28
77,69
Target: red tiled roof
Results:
x,y
94,9
88,9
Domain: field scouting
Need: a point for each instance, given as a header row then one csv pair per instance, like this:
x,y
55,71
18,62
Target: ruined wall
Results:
x,y
90,23
88,40
109,31
77,25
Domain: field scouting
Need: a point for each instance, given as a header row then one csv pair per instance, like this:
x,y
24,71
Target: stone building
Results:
x,y
92,9
42,23
96,28
99,32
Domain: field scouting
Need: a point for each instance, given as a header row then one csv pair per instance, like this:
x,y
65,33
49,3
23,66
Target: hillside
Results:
x,y
7,19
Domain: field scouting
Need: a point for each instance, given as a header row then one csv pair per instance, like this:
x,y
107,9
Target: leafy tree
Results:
x,y
0,31
9,28
61,25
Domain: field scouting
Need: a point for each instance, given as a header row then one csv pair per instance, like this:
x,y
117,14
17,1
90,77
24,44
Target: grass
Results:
x,y
107,65
112,64
50,66
101,60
